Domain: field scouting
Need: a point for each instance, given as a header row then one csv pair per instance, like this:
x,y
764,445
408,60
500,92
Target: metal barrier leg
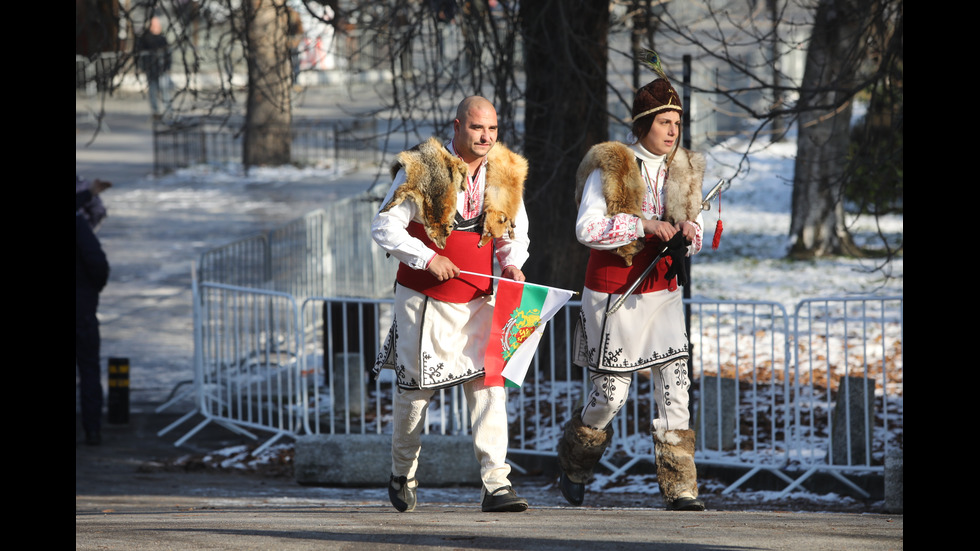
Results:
x,y
834,474
175,397
230,426
192,432
269,442
752,472
176,423
799,481
617,471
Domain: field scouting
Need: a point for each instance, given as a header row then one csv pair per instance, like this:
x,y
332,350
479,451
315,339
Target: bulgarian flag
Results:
x,y
519,317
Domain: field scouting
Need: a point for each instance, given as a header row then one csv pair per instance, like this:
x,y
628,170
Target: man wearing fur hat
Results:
x,y
453,207
634,200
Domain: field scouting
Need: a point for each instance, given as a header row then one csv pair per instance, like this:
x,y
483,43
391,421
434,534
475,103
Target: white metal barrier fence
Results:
x,y
765,397
847,384
327,252
248,366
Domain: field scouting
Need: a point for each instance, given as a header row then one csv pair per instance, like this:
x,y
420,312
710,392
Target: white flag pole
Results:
x,y
521,282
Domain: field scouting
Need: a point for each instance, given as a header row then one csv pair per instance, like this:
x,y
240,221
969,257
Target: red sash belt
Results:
x,y
461,248
607,273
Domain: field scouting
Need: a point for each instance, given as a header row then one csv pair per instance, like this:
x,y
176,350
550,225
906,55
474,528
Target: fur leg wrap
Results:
x,y
581,448
676,472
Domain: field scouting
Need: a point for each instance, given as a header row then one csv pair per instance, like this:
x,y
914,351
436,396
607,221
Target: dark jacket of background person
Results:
x,y
91,264
154,55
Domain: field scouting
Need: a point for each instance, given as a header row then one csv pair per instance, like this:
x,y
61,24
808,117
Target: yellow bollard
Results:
x,y
118,391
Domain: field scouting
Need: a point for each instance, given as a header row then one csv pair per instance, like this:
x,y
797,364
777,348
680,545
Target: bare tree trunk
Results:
x,y
566,43
775,54
830,81
268,114
96,27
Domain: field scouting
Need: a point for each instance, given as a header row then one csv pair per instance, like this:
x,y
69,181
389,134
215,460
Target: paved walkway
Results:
x,y
128,495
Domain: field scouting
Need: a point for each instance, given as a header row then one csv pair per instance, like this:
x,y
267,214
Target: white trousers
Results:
x,y
488,413
670,391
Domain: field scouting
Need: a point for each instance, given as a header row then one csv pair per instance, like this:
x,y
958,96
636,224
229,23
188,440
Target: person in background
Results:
x,y
444,13
295,35
452,207
91,276
153,59
636,199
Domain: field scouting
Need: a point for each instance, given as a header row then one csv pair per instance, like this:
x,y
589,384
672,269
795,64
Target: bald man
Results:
x,y
453,207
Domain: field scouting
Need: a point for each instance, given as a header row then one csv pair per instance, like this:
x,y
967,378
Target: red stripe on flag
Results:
x,y
508,299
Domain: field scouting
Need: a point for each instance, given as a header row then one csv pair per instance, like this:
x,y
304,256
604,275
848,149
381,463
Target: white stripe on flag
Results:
x,y
516,368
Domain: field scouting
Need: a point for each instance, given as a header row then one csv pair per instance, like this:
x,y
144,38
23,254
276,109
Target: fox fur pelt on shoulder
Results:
x,y
623,186
434,176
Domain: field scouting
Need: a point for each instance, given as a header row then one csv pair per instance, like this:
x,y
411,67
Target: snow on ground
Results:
x,y
751,264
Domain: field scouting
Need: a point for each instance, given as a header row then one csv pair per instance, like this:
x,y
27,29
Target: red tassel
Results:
x,y
717,238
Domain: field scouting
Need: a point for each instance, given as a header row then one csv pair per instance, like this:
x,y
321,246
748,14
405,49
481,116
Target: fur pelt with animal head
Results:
x,y
623,186
434,176
506,172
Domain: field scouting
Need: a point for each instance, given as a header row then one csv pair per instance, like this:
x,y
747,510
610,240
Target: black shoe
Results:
x,y
503,500
686,504
93,438
574,492
402,495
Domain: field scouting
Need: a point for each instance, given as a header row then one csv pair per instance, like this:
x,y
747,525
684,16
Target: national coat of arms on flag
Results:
x,y
519,317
